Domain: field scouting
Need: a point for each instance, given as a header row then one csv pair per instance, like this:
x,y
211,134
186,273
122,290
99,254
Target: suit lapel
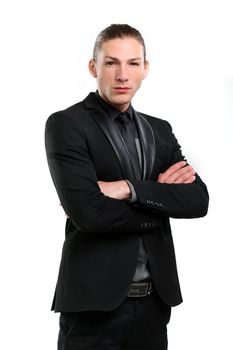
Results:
x,y
113,135
148,146
116,141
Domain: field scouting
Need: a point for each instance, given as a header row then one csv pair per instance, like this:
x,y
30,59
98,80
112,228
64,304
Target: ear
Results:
x,y
92,68
146,69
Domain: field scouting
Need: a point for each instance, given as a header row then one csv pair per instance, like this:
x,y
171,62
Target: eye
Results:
x,y
134,64
110,63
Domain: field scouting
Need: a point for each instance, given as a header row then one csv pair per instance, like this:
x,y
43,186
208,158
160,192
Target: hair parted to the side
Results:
x,y
116,31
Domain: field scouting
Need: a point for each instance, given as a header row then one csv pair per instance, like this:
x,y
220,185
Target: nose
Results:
x,y
122,74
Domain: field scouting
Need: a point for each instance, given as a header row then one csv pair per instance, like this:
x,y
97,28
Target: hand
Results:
x,y
178,173
116,189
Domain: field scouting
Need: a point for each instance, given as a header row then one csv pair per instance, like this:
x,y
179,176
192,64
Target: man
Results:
x,y
119,175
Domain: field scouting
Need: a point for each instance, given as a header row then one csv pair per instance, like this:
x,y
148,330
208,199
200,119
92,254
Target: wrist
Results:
x,y
126,191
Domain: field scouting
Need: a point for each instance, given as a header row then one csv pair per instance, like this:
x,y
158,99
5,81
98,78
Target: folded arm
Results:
x,y
178,192
76,182
177,173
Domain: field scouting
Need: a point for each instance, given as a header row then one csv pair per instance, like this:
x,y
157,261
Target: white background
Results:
x,y
45,48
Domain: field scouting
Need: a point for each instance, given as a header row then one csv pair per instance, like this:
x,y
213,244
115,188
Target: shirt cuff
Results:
x,y
134,197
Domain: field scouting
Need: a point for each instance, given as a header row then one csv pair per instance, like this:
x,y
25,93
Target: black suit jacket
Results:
x,y
100,251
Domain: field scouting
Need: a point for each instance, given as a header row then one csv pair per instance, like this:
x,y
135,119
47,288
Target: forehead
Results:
x,y
122,48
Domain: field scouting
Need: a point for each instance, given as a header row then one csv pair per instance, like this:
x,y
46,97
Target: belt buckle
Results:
x,y
138,290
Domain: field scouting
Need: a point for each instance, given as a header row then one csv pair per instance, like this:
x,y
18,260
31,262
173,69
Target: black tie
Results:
x,y
129,140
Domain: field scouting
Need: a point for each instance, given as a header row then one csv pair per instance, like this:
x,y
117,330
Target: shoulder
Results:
x,y
67,127
76,117
72,113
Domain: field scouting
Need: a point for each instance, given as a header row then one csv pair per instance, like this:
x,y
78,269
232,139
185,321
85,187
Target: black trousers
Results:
x,y
136,324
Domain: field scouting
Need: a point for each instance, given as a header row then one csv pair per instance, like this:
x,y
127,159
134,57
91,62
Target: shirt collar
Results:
x,y
112,111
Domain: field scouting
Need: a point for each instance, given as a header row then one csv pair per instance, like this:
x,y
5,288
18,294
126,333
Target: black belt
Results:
x,y
140,289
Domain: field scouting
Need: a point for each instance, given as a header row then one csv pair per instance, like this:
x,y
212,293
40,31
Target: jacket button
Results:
x,y
150,202
159,205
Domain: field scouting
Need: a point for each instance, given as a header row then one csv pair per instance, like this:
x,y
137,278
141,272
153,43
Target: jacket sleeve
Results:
x,y
75,180
173,200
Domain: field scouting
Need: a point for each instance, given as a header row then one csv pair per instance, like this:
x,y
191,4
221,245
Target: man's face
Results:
x,y
119,69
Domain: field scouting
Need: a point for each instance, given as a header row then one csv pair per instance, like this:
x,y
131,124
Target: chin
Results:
x,y
121,100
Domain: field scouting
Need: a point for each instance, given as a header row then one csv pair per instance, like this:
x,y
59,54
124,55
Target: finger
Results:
x,y
182,174
184,178
190,180
171,170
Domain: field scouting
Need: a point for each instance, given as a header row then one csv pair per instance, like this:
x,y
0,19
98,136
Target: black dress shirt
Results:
x,y
142,269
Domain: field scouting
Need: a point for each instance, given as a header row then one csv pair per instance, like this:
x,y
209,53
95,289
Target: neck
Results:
x,y
120,107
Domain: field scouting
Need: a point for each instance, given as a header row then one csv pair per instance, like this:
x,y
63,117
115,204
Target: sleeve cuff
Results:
x,y
134,197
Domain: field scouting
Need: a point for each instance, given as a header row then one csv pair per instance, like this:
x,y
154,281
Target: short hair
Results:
x,y
116,31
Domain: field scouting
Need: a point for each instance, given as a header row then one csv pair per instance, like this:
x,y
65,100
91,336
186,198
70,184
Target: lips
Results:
x,y
121,89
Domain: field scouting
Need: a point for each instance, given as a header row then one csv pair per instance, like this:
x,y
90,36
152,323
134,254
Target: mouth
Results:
x,y
121,89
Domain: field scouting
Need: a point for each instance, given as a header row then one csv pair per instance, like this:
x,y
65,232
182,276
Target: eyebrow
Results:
x,y
131,59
